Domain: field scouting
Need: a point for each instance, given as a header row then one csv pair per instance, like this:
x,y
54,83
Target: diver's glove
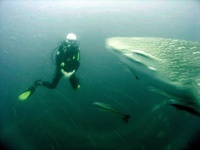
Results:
x,y
67,74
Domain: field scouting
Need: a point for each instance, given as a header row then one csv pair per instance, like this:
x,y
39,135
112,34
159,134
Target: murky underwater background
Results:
x,y
66,119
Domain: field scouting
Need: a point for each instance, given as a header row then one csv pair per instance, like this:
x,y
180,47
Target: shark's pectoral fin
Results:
x,y
194,89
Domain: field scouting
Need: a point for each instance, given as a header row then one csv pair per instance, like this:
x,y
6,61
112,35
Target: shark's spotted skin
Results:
x,y
178,57
172,65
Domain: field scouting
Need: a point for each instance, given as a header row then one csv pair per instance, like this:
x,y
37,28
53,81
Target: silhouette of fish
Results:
x,y
110,109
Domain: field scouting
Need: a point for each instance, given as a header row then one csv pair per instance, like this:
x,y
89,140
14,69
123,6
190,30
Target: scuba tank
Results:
x,y
53,53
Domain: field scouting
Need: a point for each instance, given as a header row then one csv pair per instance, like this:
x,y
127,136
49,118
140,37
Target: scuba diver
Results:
x,y
67,63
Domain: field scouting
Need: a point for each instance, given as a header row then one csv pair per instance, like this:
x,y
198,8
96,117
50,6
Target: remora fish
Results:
x,y
171,66
183,107
110,109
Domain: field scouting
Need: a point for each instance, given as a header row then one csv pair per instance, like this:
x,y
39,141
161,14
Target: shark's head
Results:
x,y
170,65
132,52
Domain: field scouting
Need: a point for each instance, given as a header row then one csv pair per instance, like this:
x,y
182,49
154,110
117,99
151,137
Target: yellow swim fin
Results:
x,y
26,94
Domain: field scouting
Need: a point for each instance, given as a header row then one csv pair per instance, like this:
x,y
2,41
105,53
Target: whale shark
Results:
x,y
171,67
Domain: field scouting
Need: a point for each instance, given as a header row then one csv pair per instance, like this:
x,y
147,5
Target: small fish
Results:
x,y
110,109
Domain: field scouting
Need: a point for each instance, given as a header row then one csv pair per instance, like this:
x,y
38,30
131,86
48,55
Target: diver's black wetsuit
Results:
x,y
67,60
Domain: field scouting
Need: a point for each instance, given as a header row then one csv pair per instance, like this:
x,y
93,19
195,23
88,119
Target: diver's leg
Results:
x,y
54,82
26,94
74,82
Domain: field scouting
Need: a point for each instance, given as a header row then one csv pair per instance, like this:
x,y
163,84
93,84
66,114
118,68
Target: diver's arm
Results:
x,y
78,55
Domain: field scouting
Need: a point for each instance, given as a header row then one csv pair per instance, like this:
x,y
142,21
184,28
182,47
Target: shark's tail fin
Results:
x,y
126,118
